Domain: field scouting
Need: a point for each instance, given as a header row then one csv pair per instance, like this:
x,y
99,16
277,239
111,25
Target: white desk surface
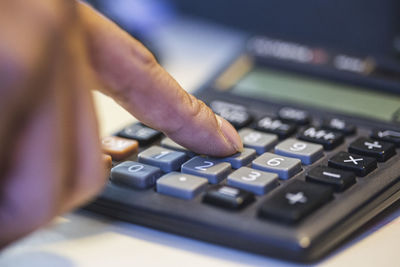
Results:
x,y
84,239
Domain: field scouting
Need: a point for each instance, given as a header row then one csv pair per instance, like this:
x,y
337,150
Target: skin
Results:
x,y
52,53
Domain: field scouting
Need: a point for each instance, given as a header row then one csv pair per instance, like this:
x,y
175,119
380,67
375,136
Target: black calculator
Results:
x,y
322,142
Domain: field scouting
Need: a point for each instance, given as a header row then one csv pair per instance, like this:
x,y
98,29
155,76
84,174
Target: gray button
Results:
x,y
305,151
212,169
241,159
167,160
181,185
255,181
285,167
261,142
134,174
169,143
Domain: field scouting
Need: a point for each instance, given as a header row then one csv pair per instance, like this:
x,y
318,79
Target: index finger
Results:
x,y
133,78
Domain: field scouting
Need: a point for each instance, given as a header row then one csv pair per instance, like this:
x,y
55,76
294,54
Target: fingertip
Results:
x,y
230,134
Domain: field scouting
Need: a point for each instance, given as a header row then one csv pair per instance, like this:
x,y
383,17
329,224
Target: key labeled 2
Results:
x,y
212,169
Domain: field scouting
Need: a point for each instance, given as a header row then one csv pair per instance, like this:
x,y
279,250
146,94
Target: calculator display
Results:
x,y
276,85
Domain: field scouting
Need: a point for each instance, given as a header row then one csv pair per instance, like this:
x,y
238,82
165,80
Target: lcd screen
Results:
x,y
276,85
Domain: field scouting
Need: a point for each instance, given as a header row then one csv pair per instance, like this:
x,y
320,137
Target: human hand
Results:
x,y
52,52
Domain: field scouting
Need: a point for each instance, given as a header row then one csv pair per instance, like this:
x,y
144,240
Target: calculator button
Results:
x,y
297,116
118,148
241,159
255,181
169,143
107,160
361,165
338,179
294,201
228,197
167,160
135,174
143,134
237,115
285,167
181,185
306,152
261,142
329,139
387,135
275,126
336,124
212,169
380,150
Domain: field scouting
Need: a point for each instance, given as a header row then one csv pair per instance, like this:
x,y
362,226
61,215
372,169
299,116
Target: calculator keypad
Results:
x,y
262,167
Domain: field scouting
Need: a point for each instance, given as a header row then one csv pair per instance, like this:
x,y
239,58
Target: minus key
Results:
x,y
338,179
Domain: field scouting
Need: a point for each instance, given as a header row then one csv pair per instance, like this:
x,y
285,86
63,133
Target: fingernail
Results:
x,y
230,134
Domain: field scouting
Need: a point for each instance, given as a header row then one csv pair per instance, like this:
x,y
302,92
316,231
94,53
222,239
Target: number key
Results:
x,y
255,181
134,174
212,169
285,167
306,152
261,142
167,160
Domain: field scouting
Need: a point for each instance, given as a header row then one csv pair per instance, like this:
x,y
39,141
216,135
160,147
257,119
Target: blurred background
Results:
x,y
364,27
194,40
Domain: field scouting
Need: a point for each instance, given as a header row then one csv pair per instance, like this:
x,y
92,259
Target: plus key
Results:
x,y
361,165
380,150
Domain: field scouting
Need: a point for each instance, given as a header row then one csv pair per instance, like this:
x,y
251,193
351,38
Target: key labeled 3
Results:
x,y
255,181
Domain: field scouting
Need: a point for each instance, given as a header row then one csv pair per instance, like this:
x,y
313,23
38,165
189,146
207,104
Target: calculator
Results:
x,y
321,156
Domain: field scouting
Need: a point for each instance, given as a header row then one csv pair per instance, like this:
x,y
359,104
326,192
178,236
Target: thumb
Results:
x,y
133,78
